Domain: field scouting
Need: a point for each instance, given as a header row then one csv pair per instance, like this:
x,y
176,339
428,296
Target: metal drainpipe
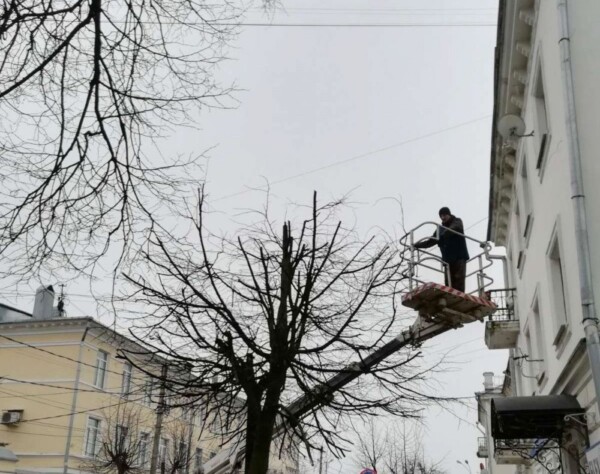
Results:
x,y
74,402
590,323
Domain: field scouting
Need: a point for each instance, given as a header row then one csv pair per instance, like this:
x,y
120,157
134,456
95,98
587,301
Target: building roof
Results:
x,y
497,56
511,76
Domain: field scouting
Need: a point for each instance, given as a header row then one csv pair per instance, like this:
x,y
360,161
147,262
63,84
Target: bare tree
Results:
x,y
178,459
371,446
122,447
269,316
393,448
88,88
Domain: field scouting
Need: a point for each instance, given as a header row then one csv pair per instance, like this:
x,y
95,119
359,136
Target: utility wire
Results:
x,y
211,24
443,11
71,413
357,157
16,341
44,384
355,25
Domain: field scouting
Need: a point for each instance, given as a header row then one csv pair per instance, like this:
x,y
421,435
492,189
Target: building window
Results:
x,y
163,449
148,390
526,213
519,252
121,432
198,460
126,380
101,366
143,453
92,437
541,127
183,454
557,286
539,350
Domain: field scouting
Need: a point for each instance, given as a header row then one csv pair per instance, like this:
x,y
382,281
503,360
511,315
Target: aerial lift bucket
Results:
x,y
435,301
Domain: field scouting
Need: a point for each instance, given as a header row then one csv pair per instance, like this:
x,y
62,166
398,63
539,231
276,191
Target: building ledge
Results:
x,y
501,334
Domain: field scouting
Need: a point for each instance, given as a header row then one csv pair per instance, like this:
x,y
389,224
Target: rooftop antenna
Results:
x,y
512,126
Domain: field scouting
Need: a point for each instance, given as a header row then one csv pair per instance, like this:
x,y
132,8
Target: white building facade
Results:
x,y
545,210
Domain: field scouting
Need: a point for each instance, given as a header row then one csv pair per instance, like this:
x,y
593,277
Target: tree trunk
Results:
x,y
258,463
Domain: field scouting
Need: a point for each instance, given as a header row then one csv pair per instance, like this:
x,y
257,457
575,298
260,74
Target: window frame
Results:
x,y
126,378
163,451
198,461
101,371
143,454
526,198
96,430
556,273
542,129
121,435
148,391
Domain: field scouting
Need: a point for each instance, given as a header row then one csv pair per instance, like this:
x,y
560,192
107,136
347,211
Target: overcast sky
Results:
x,y
385,113
381,112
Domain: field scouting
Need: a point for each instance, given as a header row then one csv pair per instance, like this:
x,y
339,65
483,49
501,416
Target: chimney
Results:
x,y
43,308
488,381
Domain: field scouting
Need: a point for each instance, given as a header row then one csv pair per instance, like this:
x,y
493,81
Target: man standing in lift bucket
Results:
x,y
453,245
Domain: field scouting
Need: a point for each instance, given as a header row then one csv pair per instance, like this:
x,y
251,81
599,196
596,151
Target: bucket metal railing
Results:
x,y
421,260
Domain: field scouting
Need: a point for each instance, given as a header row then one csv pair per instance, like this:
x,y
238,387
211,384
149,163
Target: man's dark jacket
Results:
x,y
452,246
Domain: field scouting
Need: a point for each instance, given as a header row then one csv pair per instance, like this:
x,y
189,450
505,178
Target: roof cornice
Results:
x,y
516,19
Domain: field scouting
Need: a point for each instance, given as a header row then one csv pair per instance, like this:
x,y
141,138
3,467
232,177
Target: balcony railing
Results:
x,y
502,327
482,448
505,301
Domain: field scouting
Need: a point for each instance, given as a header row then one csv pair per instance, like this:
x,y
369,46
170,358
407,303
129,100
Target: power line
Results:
x,y
358,157
69,389
53,435
387,10
16,341
210,24
357,25
71,413
38,399
476,223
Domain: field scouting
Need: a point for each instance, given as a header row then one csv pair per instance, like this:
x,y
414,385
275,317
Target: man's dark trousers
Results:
x,y
457,272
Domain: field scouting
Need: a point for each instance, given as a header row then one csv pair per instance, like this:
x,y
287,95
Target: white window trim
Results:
x,y
147,396
102,385
561,332
525,197
148,453
127,369
87,433
531,94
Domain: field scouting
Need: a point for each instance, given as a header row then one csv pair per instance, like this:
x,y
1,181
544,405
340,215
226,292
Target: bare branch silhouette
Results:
x,y
269,316
88,91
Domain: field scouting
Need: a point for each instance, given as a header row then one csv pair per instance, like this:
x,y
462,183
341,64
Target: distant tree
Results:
x,y
88,88
393,449
371,446
178,459
126,438
121,449
269,316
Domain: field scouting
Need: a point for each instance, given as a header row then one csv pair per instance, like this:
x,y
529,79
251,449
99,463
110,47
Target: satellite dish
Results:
x,y
511,126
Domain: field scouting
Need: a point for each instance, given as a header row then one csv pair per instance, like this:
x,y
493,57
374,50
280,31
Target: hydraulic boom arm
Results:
x,y
420,331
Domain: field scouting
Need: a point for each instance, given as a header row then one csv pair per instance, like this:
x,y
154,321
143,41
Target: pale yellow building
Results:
x,y
64,385
66,391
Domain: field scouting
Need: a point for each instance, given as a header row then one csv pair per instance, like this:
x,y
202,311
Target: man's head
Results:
x,y
445,214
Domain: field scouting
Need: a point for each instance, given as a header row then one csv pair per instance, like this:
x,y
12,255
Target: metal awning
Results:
x,y
532,417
